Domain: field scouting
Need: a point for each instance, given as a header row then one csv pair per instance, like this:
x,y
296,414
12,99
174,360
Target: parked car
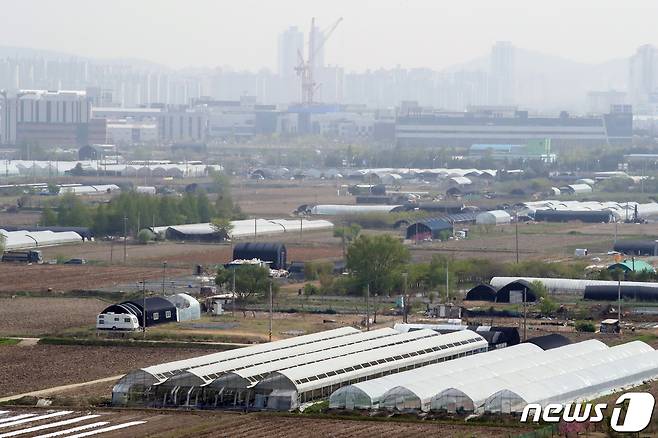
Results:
x,y
76,262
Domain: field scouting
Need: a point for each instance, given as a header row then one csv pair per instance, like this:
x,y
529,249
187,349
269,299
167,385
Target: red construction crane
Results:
x,y
306,66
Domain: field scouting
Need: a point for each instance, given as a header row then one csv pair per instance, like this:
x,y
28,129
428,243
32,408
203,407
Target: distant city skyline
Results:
x,y
374,34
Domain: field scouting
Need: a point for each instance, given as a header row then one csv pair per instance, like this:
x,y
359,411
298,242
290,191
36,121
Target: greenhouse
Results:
x,y
369,394
242,373
583,384
286,389
471,396
131,387
567,285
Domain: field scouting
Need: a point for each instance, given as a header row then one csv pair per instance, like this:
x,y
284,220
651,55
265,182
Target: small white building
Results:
x,y
576,189
494,217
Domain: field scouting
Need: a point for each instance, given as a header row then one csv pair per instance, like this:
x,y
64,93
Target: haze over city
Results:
x,y
375,33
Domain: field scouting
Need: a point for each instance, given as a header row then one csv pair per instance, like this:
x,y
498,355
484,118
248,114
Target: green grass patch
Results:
x,y
9,341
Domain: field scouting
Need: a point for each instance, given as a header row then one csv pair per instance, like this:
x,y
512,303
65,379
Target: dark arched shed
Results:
x,y
274,253
513,292
481,292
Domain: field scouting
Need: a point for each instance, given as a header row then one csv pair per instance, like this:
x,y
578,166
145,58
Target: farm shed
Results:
x,y
436,207
481,292
637,247
568,285
287,389
513,292
188,307
370,394
611,292
493,217
548,342
460,181
131,387
274,253
550,364
496,336
576,189
159,310
428,229
586,377
632,266
589,216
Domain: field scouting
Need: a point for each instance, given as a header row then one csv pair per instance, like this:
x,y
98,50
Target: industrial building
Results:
x,y
50,118
507,125
274,254
131,387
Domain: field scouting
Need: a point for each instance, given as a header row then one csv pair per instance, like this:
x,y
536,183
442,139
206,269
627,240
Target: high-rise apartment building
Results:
x,y
501,74
643,79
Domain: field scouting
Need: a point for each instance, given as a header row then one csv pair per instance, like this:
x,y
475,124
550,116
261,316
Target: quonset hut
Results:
x,y
159,310
481,292
637,247
428,229
603,216
274,253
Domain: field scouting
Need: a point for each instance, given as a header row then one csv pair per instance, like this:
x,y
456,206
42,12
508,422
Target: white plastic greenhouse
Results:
x,y
22,239
566,285
249,370
337,209
472,396
132,385
286,389
577,385
188,307
370,394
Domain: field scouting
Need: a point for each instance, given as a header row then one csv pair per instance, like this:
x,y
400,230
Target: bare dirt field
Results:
x,y
262,198
40,278
24,316
26,369
164,423
314,246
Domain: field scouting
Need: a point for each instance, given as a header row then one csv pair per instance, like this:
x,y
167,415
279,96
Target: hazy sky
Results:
x,y
412,33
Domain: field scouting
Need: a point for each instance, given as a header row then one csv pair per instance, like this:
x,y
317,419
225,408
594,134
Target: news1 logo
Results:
x,y
638,412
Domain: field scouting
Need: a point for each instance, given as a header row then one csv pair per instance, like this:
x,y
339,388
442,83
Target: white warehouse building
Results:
x,y
493,217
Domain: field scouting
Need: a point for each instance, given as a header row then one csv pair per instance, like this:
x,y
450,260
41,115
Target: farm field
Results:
x,y
261,198
56,365
58,278
26,316
165,423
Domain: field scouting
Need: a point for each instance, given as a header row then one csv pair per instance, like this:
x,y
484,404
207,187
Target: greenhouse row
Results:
x,y
293,371
22,239
504,381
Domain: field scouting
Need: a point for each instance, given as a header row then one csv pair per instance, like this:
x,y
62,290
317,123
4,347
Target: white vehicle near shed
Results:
x,y
117,321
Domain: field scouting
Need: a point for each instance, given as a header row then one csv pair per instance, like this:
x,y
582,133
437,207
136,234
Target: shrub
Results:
x,y
585,326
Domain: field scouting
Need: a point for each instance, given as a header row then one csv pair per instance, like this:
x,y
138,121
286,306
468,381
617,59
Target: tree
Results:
x,y
349,233
223,226
377,261
547,306
224,206
48,217
53,188
252,282
145,236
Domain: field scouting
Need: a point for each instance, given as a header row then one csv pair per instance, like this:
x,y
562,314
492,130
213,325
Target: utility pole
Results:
x,y
125,241
111,249
516,228
255,228
619,300
271,310
164,275
447,283
144,307
525,315
233,301
301,227
616,223
405,303
368,307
